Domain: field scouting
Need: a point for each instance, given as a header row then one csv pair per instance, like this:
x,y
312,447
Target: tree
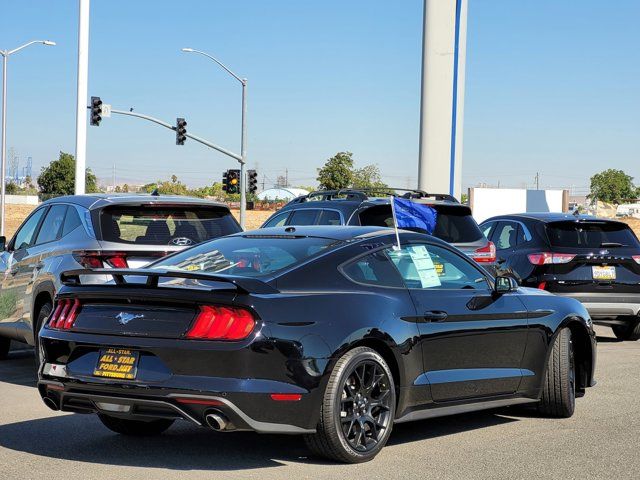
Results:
x,y
337,172
613,186
168,187
367,177
11,188
58,178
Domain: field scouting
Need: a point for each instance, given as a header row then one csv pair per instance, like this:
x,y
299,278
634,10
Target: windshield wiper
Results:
x,y
612,245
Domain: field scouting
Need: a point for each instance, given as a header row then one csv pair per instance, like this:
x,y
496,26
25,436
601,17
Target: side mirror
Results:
x,y
505,284
3,243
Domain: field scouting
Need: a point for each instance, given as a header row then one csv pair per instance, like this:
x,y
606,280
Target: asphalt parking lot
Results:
x,y
601,441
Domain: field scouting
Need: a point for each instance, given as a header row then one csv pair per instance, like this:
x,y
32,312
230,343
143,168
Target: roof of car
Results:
x,y
97,200
335,232
349,204
549,217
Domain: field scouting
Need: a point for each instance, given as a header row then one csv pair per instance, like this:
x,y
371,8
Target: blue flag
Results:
x,y
409,214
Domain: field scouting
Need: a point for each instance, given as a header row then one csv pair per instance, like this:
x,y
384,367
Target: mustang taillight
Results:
x,y
546,258
221,323
486,254
65,314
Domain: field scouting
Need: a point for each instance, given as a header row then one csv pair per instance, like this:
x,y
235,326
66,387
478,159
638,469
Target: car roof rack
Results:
x,y
363,194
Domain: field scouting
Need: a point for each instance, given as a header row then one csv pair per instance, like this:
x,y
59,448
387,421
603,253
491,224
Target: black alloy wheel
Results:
x,y
358,409
365,406
631,331
559,383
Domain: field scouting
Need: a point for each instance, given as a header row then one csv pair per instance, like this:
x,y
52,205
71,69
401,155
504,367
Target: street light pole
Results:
x,y
243,140
243,154
5,57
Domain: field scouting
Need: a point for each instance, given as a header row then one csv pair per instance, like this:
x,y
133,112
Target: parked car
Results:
x,y
93,231
454,225
328,332
594,260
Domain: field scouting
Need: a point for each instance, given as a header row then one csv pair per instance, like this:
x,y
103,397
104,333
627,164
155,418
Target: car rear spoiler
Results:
x,y
71,278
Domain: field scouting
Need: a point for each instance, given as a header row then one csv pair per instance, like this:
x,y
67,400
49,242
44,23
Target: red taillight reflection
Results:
x,y
117,261
65,314
547,258
637,259
486,254
221,323
97,259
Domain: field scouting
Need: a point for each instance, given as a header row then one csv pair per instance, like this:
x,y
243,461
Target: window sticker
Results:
x,y
423,266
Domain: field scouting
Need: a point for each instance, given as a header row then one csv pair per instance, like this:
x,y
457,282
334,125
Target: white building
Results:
x,y
281,193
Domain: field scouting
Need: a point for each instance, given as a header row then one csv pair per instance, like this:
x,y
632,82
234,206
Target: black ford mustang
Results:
x,y
329,332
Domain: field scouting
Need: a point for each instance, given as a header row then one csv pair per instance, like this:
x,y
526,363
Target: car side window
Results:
x,y
24,237
373,269
424,266
71,221
506,235
486,229
304,216
329,217
52,224
277,221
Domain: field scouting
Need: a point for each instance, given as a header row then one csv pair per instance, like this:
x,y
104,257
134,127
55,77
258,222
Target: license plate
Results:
x,y
117,363
604,273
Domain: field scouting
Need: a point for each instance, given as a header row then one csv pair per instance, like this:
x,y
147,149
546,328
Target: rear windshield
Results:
x,y
249,256
453,224
590,235
157,225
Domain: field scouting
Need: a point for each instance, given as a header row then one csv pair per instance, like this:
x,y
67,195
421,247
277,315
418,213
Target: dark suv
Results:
x,y
594,260
454,224
93,231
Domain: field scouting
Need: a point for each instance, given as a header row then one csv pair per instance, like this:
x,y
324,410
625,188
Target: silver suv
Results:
x,y
93,231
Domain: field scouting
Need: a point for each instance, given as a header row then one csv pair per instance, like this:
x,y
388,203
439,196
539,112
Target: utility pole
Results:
x,y
537,180
113,173
3,148
81,96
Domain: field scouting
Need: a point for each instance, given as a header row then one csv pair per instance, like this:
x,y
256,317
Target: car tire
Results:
x,y
135,428
559,387
358,408
43,314
5,344
627,332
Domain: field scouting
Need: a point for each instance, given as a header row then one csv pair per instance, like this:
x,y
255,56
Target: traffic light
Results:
x,y
181,131
253,181
225,180
96,111
233,181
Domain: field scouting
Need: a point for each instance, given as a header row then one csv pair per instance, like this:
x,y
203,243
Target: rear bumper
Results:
x,y
171,405
607,306
182,379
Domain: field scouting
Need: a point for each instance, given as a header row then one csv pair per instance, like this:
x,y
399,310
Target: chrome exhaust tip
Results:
x,y
216,421
51,403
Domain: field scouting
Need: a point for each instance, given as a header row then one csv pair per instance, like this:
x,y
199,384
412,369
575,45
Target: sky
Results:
x,y
551,87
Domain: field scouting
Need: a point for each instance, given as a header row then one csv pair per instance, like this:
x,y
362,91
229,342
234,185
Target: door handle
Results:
x,y
435,316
